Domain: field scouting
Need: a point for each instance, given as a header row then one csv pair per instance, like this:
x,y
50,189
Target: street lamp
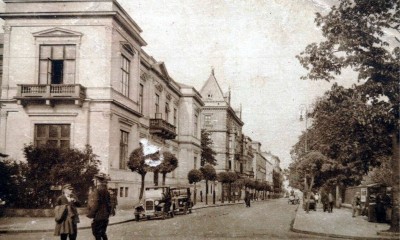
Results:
x,y
304,110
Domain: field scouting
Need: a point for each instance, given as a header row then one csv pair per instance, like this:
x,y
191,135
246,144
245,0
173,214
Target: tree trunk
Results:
x,y
230,193
195,195
394,225
164,176
142,187
309,193
222,193
206,192
155,178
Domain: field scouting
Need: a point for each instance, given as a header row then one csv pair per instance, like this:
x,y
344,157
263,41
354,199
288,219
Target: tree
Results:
x,y
227,178
209,174
207,153
169,164
195,176
357,37
309,168
49,166
12,182
137,164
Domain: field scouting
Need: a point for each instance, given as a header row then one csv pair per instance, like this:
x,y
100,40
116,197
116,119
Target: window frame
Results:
x,y
125,68
123,148
59,138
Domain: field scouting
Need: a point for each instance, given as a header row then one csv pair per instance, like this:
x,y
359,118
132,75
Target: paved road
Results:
x,y
264,220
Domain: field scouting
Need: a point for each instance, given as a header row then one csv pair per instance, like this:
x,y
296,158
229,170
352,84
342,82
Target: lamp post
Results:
x,y
304,110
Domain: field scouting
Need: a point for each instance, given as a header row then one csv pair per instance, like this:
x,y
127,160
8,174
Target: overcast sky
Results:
x,y
252,45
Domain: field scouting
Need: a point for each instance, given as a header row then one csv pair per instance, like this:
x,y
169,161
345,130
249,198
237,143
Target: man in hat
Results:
x,y
99,207
66,226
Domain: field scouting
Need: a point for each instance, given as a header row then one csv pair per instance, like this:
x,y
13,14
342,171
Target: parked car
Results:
x,y
181,201
156,204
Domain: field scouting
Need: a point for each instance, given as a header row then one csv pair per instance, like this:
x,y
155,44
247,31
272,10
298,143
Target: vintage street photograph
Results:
x,y
199,119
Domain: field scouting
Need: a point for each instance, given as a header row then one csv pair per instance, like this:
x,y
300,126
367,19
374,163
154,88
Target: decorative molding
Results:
x,y
3,114
197,110
144,76
128,48
168,96
142,135
107,115
176,102
57,32
159,87
126,121
52,114
7,28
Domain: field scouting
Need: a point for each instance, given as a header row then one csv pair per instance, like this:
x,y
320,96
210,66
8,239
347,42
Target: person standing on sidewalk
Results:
x,y
325,201
99,207
331,201
67,226
247,198
356,203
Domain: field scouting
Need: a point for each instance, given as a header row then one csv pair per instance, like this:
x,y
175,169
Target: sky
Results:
x,y
252,45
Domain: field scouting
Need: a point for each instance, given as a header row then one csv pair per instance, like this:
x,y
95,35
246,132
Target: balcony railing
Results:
x,y
162,128
49,92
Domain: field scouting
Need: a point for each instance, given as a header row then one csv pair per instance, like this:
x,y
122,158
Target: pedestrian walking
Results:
x,y
67,217
380,209
325,201
99,208
356,203
113,199
247,198
331,200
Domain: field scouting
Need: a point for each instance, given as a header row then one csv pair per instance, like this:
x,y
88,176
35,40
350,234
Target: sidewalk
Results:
x,y
339,224
43,224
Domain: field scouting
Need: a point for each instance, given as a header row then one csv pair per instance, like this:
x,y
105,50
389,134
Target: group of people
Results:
x,y
382,202
101,204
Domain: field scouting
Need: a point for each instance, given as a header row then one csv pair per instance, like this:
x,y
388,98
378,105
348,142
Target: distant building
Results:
x,y
274,171
259,163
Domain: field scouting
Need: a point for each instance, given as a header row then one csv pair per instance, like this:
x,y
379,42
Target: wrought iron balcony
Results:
x,y
48,92
162,128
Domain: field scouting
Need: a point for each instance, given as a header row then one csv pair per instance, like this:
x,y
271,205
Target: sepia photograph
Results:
x,y
199,119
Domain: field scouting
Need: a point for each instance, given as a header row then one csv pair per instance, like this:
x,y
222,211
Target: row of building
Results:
x,y
75,73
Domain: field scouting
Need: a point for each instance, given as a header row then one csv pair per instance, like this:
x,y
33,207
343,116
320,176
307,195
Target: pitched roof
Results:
x,y
211,87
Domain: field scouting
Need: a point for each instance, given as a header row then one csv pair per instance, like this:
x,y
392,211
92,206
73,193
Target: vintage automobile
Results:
x,y
181,201
157,204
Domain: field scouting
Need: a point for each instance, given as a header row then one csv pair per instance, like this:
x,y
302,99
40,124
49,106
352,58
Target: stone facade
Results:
x,y
75,73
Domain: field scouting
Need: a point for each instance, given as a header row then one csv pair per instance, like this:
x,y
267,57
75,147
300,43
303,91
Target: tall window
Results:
x,y
123,152
175,116
195,162
141,91
55,135
166,111
157,103
57,64
196,123
125,66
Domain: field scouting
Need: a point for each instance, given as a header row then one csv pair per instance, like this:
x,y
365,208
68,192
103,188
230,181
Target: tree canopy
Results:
x,y
207,153
361,35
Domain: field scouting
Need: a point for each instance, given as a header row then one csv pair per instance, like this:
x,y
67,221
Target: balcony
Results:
x,y
50,93
162,128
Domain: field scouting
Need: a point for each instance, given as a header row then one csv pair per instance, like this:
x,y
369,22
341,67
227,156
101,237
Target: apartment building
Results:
x,y
224,124
259,162
75,73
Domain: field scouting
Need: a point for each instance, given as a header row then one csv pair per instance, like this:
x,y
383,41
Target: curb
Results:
x,y
335,235
110,224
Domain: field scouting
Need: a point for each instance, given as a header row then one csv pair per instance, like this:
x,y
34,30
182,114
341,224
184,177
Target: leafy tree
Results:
x,y
381,174
137,164
357,37
209,174
169,164
309,168
227,178
49,166
11,182
207,153
195,176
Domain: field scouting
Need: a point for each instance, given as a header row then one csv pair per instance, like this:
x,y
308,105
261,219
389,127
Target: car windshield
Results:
x,y
154,193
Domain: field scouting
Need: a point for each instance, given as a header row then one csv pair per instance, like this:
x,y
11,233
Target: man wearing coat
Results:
x,y
67,226
99,207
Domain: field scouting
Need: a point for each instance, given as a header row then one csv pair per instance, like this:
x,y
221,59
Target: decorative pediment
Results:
x,y
160,66
57,32
168,96
128,48
176,102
